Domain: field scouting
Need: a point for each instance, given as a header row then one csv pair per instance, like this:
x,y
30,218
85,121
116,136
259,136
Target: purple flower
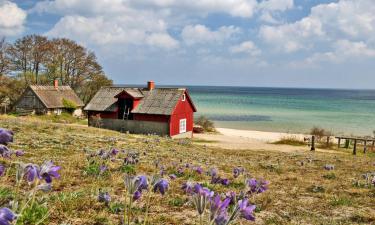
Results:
x,y
104,197
5,152
329,167
114,151
237,172
31,173
187,165
6,216
198,169
161,186
224,182
218,207
232,196
257,186
213,172
137,195
188,187
2,170
6,136
246,210
141,183
19,153
198,189
180,170
172,176
102,169
48,170
222,219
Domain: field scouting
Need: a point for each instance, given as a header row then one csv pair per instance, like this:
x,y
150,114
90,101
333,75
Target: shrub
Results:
x,y
290,140
205,123
70,106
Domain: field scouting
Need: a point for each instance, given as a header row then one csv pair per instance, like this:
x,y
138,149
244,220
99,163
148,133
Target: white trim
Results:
x,y
182,127
184,97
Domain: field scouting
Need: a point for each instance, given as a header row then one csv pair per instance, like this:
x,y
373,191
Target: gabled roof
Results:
x,y
159,101
53,97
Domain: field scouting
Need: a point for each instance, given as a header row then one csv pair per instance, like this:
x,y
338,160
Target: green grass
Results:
x,y
290,140
298,193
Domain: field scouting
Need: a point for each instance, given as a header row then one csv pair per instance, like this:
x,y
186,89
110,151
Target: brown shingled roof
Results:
x,y
159,101
53,97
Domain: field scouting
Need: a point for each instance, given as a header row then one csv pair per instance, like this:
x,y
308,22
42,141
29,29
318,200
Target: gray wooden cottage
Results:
x,y
40,99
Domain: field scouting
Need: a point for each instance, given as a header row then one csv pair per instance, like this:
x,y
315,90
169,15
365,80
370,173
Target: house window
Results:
x,y
183,97
182,126
57,111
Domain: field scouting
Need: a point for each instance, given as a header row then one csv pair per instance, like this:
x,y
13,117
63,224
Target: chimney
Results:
x,y
150,85
56,84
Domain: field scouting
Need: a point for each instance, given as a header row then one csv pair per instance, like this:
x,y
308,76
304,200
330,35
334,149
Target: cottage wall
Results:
x,y
132,126
183,110
29,101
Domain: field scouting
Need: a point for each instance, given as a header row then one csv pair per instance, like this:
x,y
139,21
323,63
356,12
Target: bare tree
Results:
x,y
4,60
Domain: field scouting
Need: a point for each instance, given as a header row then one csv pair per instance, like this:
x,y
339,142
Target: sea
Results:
x,y
291,110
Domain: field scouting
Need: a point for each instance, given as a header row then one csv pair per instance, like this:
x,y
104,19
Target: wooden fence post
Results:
x,y
313,143
347,143
339,142
365,146
372,146
355,147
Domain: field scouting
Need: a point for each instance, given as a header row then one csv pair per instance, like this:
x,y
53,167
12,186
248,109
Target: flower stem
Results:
x,y
147,206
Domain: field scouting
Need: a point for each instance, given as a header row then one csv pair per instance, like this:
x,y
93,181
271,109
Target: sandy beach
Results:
x,y
249,139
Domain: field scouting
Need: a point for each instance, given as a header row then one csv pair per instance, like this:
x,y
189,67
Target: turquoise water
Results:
x,y
349,112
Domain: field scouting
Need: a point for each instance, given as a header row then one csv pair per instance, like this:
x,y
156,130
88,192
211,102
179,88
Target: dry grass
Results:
x,y
301,191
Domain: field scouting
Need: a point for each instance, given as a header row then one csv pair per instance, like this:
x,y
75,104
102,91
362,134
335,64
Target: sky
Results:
x,y
264,43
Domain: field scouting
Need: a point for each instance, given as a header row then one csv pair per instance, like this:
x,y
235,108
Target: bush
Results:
x,y
290,140
70,106
205,123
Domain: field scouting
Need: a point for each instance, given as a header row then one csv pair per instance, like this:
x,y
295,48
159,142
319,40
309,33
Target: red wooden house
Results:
x,y
149,110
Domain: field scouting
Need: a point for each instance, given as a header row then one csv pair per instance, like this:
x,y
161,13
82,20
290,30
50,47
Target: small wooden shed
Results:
x,y
40,99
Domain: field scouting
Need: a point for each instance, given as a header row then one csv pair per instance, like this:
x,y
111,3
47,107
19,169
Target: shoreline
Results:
x,y
265,136
233,139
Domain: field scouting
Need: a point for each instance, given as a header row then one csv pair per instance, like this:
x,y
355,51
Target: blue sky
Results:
x,y
273,43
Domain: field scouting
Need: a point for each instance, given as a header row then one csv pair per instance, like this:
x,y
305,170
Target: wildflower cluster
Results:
x,y
37,177
224,210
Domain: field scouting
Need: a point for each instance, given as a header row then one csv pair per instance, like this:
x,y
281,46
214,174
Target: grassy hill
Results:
x,y
300,190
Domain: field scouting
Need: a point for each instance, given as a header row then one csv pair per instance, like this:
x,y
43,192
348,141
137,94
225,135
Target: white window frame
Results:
x,y
184,97
182,127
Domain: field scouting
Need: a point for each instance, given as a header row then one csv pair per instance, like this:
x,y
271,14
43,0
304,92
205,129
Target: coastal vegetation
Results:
x,y
97,171
207,124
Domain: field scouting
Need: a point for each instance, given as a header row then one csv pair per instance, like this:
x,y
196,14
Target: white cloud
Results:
x,y
346,19
247,47
199,34
12,18
238,8
343,50
128,28
162,40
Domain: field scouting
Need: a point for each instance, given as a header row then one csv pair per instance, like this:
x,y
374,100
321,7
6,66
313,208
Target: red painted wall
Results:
x,y
183,110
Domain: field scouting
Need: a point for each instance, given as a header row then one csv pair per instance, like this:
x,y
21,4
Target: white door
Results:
x,y
182,126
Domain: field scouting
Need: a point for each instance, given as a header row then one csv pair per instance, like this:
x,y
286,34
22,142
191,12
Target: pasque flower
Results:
x,y
161,186
19,153
237,172
6,216
329,167
5,151
188,187
256,186
218,207
6,136
49,170
31,172
246,209
104,197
